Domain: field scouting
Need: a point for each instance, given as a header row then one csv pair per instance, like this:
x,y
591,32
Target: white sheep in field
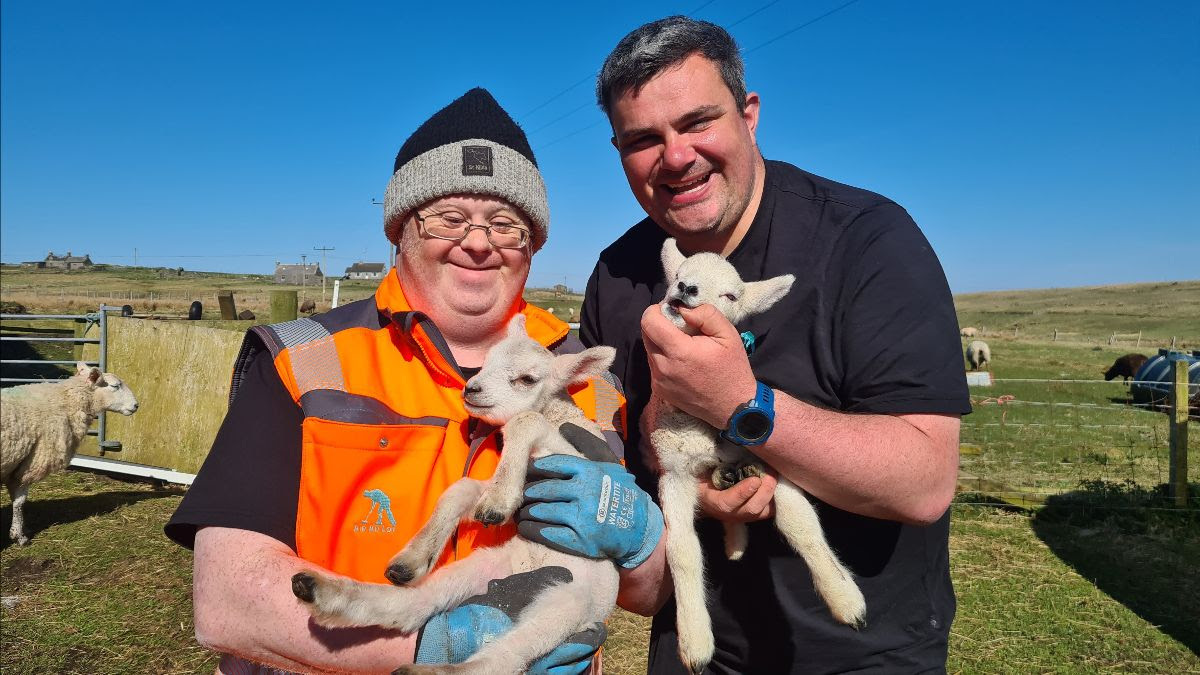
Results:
x,y
522,387
979,355
688,448
969,331
41,426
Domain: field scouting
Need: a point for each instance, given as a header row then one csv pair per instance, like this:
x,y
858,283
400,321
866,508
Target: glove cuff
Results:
x,y
433,644
650,537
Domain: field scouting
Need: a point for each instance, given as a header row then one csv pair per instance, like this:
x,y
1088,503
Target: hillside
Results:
x,y
1159,311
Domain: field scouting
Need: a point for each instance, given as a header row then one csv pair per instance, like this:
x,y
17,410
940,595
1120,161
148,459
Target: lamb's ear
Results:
x,y
672,258
578,368
516,325
81,368
94,375
761,295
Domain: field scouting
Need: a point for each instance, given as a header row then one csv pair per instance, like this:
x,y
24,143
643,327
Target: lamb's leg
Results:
x,y
341,601
679,498
16,531
798,522
422,551
556,613
737,538
503,494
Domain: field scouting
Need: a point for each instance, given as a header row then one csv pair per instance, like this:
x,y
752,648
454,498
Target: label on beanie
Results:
x,y
477,160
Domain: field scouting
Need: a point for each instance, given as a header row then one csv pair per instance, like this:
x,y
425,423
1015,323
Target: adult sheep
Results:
x,y
969,331
979,355
308,306
41,426
1125,367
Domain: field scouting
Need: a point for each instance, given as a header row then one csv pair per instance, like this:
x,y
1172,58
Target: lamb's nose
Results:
x,y
688,290
471,389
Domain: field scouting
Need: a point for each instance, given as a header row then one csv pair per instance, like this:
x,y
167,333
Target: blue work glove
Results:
x,y
454,635
589,507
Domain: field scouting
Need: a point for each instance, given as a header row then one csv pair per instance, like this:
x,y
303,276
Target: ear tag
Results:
x,y
748,342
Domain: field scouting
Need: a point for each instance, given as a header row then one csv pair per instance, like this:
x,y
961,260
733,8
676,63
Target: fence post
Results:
x,y
228,308
1055,338
283,306
1139,341
1178,481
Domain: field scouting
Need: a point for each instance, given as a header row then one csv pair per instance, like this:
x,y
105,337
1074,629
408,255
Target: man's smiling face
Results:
x,y
690,156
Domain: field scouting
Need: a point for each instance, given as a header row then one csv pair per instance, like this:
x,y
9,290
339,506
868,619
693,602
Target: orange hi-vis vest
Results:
x,y
385,431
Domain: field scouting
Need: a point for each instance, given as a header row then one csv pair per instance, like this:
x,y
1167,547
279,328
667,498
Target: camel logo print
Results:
x,y
381,506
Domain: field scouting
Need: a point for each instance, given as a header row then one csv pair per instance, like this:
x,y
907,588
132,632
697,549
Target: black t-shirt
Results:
x,y
869,326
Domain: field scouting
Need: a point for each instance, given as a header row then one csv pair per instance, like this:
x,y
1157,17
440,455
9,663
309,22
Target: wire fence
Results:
x,y
1029,440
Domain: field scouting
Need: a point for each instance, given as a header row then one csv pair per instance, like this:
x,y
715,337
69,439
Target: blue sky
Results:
x,y
1038,144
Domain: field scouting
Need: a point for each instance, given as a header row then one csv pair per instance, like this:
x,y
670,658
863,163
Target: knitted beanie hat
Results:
x,y
469,147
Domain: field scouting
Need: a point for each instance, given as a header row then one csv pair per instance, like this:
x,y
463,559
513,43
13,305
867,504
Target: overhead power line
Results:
x,y
782,35
806,24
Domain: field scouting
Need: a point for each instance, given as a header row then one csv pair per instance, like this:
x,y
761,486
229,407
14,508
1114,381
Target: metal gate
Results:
x,y
106,445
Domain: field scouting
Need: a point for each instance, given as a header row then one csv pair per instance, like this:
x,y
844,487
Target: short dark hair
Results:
x,y
658,45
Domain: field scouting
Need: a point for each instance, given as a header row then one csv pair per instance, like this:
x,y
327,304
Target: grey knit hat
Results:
x,y
469,147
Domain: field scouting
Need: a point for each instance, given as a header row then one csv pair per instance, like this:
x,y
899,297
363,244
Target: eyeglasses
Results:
x,y
455,227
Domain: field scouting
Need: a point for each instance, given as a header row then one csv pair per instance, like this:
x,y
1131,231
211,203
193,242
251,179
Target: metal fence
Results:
x,y
1030,439
83,324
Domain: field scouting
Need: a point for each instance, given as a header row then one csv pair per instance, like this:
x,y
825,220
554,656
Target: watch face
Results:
x,y
753,426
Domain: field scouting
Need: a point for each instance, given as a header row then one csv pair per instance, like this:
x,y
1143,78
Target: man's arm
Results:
x,y
244,606
894,467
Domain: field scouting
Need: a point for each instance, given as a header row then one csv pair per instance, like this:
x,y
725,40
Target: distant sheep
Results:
x,y
1125,367
979,355
969,331
308,306
41,426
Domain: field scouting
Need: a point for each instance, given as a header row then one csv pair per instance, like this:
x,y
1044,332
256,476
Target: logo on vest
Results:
x,y
380,506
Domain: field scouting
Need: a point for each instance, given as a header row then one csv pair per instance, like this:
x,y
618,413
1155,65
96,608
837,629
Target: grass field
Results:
x,y
1060,590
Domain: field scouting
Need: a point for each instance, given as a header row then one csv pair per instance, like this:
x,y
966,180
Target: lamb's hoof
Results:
x,y
489,517
399,574
304,586
23,541
724,477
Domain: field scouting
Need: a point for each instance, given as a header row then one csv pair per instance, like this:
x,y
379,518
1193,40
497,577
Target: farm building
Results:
x,y
365,271
61,262
297,275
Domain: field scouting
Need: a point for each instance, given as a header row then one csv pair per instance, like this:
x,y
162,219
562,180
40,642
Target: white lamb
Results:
x,y
688,448
979,355
523,388
41,426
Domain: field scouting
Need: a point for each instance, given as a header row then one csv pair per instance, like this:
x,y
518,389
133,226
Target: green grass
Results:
x,y
1070,588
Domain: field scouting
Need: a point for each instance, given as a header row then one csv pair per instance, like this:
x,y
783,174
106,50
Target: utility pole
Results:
x,y
324,269
303,273
391,259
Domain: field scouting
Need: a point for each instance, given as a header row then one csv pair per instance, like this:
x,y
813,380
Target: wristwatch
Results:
x,y
751,422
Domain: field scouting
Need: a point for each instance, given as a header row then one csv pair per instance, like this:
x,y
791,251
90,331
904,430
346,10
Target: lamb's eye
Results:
x,y
527,380
729,296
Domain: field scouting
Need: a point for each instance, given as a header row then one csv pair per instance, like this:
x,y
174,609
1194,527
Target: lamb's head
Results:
x,y
108,391
519,374
707,278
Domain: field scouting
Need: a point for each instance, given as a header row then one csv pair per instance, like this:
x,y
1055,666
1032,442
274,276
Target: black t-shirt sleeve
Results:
x,y
898,329
251,477
589,319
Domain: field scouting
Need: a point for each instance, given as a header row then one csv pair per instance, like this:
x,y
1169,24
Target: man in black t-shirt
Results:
x,y
862,357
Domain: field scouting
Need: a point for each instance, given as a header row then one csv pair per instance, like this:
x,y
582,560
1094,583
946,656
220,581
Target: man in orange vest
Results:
x,y
344,428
